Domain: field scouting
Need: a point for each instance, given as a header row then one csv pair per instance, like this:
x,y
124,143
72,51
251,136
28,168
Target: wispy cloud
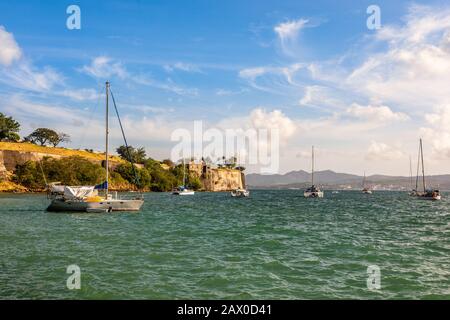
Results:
x,y
186,67
226,92
288,33
289,30
104,67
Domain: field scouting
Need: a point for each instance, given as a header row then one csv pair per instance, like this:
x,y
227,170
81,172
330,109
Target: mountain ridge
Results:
x,y
331,179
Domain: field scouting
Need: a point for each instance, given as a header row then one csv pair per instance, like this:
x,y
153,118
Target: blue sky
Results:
x,y
313,68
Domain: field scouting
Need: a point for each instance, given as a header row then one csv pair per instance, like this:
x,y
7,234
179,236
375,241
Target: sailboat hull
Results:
x,y
317,194
183,193
428,197
60,205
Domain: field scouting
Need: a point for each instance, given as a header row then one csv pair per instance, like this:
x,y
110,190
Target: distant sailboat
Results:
x,y
313,191
365,189
427,194
183,190
244,192
87,198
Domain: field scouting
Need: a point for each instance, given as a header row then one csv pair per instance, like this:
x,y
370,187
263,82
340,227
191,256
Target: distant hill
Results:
x,y
334,180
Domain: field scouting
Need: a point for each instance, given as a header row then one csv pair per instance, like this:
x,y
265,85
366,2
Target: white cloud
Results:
x,y
104,67
21,107
168,85
289,30
382,151
376,113
186,67
414,70
321,97
261,119
275,79
24,76
80,94
9,49
149,109
253,73
437,132
225,92
288,34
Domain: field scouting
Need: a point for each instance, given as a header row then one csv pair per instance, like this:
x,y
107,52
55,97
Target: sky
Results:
x,y
313,70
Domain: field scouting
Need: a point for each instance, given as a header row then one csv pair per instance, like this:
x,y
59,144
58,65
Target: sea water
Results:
x,y
273,245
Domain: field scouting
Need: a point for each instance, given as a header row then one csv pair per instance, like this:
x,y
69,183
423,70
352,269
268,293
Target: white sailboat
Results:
x,y
313,191
365,189
183,190
87,198
427,194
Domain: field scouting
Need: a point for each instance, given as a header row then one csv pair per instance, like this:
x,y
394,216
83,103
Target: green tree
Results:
x,y
69,171
168,162
9,129
43,136
194,182
28,175
139,177
59,138
132,154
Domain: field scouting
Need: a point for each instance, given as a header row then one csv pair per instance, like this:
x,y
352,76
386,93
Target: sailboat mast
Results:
x,y
312,167
107,133
423,169
410,173
184,173
364,180
417,173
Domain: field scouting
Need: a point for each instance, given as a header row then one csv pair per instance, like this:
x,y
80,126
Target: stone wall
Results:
x,y
223,179
217,179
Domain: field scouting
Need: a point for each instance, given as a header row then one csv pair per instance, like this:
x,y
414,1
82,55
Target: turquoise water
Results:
x,y
273,245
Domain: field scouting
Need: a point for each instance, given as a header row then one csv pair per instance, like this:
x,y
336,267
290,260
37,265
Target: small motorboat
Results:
x,y
240,193
183,191
313,192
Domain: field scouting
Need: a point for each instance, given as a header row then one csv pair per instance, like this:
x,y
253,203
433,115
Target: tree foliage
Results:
x,y
138,177
9,129
80,171
135,155
69,171
45,136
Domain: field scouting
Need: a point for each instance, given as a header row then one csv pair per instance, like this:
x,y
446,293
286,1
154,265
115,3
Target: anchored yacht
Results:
x,y
313,191
94,198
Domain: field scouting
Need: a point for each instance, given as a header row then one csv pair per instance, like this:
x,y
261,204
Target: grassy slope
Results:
x,y
29,147
9,186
